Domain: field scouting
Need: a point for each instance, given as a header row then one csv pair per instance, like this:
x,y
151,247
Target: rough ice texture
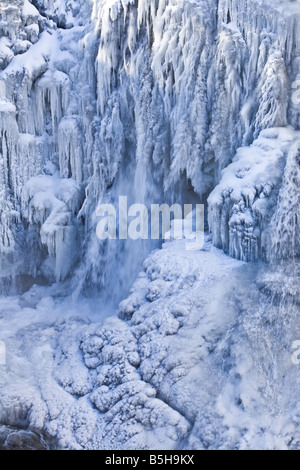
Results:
x,y
284,228
242,205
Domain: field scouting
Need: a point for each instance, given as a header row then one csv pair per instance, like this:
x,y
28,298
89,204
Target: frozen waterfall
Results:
x,y
161,101
161,92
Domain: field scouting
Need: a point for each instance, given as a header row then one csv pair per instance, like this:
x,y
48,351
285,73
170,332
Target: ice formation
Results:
x,y
50,205
186,86
242,205
162,101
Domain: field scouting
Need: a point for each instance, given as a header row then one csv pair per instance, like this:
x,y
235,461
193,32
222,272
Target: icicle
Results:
x,y
50,204
70,149
52,95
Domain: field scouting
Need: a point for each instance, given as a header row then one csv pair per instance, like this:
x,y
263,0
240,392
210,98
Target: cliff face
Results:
x,y
163,92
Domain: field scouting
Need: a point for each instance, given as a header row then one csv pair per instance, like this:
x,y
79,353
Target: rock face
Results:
x,y
16,439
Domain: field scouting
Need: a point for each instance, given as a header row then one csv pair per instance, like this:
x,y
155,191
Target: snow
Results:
x,y
6,107
6,55
29,10
32,61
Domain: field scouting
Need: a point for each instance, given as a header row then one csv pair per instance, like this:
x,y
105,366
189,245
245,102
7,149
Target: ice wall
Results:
x,y
284,228
148,99
210,79
36,95
189,83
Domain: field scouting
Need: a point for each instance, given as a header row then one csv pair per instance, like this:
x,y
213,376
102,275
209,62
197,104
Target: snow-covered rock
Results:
x,y
242,205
